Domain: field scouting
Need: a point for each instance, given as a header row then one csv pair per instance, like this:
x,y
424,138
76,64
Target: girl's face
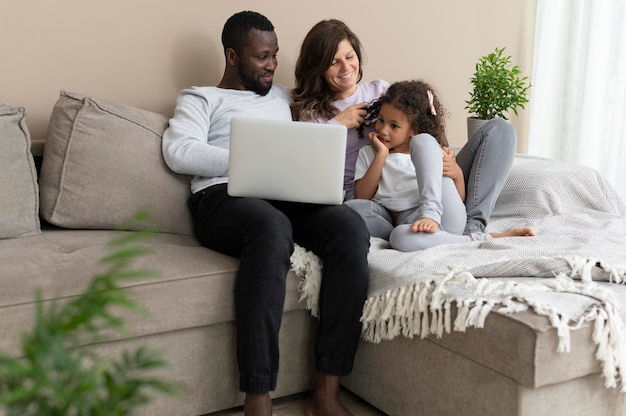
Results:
x,y
343,72
394,129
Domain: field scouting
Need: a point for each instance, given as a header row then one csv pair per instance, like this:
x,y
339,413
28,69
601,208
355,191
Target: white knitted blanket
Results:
x,y
570,271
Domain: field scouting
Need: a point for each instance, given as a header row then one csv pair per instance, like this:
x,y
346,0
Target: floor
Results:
x,y
294,405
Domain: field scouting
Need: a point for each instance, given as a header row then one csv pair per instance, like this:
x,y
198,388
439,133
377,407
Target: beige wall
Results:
x,y
141,52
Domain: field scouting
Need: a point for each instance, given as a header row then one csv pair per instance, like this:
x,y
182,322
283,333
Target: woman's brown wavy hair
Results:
x,y
312,95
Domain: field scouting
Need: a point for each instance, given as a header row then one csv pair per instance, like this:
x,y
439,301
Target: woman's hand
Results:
x,y
454,171
353,116
450,167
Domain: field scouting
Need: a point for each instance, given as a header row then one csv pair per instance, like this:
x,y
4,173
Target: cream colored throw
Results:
x,y
570,271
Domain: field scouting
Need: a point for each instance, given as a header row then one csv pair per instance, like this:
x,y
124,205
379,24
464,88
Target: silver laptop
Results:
x,y
287,160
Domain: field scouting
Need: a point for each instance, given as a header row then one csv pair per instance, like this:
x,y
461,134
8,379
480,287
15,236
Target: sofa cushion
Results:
x,y
193,286
537,187
102,163
19,200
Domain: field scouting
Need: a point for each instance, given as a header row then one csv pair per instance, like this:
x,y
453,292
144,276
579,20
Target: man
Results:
x,y
262,233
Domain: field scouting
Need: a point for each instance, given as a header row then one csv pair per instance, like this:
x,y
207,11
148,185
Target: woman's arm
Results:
x,y
353,116
452,170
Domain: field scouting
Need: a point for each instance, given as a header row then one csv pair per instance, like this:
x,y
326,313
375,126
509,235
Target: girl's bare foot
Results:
x,y
425,225
325,400
515,232
257,405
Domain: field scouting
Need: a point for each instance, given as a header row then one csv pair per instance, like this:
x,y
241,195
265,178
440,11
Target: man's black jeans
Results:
x,y
262,234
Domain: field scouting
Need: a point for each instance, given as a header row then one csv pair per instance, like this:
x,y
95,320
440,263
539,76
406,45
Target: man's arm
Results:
x,y
185,142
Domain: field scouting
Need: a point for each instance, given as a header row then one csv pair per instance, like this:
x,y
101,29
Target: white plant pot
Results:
x,y
473,124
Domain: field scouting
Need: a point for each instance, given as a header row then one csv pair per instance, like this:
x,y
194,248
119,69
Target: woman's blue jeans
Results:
x,y
262,234
486,160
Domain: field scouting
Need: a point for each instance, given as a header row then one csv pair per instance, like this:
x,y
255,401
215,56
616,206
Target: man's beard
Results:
x,y
252,83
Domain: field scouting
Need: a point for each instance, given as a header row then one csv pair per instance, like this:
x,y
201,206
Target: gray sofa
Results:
x,y
102,162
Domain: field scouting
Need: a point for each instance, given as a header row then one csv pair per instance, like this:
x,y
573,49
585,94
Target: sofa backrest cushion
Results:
x,y
19,193
102,163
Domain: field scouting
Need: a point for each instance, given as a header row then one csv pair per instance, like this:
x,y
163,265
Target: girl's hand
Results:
x,y
366,187
425,225
353,116
450,167
377,144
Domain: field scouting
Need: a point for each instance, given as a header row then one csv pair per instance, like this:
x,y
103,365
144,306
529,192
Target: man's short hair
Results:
x,y
237,27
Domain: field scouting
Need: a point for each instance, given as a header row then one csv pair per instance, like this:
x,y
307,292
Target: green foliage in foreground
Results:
x,y
53,378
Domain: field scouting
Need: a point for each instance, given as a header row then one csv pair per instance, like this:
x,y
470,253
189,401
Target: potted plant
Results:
x,y
498,87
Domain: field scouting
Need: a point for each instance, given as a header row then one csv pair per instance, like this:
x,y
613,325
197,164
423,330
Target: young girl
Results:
x,y
400,188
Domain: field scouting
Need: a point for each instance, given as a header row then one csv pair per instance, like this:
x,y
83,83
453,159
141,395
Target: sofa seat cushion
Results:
x,y
19,191
193,287
419,377
523,346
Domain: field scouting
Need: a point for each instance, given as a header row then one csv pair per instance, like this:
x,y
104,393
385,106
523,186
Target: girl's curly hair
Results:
x,y
411,97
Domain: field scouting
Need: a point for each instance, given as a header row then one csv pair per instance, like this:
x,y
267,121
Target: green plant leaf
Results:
x,y
498,87
54,377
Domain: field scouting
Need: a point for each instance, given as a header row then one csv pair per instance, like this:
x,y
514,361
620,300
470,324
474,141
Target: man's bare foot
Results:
x,y
425,225
325,400
257,405
515,232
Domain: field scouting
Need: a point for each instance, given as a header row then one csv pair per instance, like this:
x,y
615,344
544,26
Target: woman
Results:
x,y
328,72
328,90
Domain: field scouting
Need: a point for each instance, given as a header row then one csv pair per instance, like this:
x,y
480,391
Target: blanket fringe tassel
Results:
x,y
424,308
